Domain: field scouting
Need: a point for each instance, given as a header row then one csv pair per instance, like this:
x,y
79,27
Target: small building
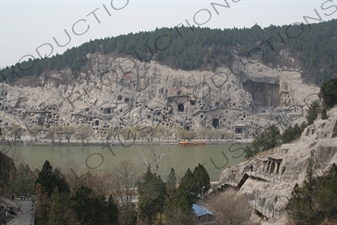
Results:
x,y
204,215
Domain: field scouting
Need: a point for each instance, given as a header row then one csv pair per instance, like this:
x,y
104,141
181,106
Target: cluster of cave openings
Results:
x,y
272,166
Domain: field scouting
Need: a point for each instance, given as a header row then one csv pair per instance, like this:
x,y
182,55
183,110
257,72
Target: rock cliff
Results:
x,y
269,178
114,93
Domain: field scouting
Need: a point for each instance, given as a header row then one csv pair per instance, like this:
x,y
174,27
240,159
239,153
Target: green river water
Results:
x,y
215,158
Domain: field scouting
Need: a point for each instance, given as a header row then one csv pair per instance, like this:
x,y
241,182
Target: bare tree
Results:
x,y
34,131
51,134
77,177
110,133
185,134
184,218
60,133
155,155
74,179
144,132
16,131
68,132
123,181
161,132
83,132
228,208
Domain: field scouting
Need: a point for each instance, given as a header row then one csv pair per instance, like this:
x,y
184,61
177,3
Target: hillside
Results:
x,y
275,173
176,102
310,48
202,85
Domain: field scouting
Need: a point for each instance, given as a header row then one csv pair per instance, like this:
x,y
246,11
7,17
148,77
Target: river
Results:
x,y
215,158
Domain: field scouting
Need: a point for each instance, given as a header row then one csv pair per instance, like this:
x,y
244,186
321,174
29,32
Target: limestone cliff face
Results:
x,y
113,93
274,174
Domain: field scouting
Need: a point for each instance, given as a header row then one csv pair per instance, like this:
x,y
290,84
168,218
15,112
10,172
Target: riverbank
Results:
x,y
125,143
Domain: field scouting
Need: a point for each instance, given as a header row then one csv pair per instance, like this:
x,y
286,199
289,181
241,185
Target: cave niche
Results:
x,y
264,94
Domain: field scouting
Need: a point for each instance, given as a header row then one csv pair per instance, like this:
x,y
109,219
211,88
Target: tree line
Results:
x,y
109,198
204,48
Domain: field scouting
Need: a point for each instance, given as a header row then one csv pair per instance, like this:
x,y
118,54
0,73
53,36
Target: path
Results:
x,y
25,215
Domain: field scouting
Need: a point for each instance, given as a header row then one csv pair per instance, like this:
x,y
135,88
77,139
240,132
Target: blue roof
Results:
x,y
200,210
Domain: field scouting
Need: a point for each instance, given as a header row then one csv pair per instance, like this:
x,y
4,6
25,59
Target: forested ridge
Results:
x,y
192,48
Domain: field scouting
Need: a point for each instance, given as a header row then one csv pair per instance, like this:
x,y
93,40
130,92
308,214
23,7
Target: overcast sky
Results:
x,y
26,25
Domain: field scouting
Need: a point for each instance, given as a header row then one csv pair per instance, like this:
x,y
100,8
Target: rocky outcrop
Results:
x,y
269,178
114,93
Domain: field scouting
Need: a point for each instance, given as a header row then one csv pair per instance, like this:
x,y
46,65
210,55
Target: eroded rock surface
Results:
x,y
113,93
269,178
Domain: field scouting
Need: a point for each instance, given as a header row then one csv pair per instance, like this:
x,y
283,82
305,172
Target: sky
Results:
x,y
29,28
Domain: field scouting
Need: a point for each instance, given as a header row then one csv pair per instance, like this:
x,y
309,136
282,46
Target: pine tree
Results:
x,y
202,180
81,202
301,204
45,178
56,216
25,180
312,112
43,204
329,93
112,212
49,180
327,193
324,115
171,181
187,191
151,196
170,208
248,152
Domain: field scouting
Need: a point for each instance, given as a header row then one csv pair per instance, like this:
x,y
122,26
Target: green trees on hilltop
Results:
x,y
203,48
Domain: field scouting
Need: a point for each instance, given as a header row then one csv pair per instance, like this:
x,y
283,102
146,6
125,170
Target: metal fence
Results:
x,y
264,206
